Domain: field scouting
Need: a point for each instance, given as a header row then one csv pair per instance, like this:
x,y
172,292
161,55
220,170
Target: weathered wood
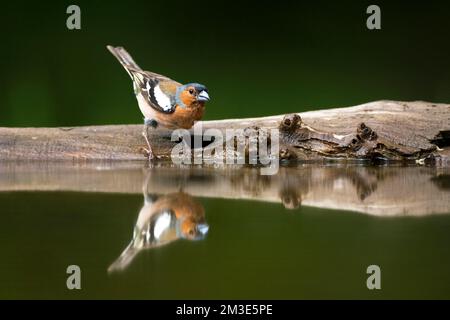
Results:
x,y
379,130
376,190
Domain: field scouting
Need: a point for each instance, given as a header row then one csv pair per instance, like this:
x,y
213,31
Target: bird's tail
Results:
x,y
124,259
125,59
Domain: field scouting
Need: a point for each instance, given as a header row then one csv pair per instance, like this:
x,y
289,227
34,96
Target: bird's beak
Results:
x,y
203,96
203,228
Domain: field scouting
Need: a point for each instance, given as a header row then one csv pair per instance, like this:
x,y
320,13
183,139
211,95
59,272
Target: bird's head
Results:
x,y
192,93
193,230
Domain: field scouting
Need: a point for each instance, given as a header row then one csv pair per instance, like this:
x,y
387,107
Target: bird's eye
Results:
x,y
191,91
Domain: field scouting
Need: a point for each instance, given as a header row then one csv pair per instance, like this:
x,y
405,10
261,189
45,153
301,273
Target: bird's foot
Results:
x,y
148,153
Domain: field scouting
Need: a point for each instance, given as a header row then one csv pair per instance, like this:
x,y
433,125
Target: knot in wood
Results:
x,y
290,122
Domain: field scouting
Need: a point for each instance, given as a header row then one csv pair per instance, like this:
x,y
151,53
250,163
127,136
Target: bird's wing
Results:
x,y
158,91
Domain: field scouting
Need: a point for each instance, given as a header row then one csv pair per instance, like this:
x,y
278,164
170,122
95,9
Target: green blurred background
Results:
x,y
257,58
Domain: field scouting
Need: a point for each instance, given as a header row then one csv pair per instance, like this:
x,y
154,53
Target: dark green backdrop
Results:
x,y
257,58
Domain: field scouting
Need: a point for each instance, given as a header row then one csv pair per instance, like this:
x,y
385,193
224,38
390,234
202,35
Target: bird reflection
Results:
x,y
162,220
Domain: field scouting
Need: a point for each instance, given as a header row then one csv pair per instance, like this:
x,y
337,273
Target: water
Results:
x,y
309,232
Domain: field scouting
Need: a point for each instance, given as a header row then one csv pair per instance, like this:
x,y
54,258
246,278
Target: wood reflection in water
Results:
x,y
381,191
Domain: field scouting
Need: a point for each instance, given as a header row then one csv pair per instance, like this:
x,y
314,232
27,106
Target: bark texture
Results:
x,y
381,130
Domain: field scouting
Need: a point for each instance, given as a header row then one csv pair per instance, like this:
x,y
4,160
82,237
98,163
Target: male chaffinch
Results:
x,y
162,220
161,99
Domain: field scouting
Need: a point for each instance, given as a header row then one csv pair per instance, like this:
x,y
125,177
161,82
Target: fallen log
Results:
x,y
381,130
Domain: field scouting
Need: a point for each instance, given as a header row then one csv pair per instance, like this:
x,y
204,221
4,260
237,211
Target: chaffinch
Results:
x,y
162,220
162,100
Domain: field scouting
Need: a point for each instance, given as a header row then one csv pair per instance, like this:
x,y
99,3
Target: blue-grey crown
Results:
x,y
199,87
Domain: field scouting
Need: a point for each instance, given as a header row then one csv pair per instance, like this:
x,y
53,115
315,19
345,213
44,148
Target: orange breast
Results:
x,y
182,117
182,204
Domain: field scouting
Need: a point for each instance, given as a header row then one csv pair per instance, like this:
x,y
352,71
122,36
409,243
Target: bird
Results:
x,y
163,101
163,219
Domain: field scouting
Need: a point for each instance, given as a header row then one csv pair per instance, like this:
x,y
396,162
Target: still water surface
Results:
x,y
188,233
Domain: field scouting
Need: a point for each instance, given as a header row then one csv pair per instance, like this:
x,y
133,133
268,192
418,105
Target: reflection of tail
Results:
x,y
125,258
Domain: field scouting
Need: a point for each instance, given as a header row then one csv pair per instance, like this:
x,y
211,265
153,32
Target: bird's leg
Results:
x,y
148,150
148,198
146,181
147,125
